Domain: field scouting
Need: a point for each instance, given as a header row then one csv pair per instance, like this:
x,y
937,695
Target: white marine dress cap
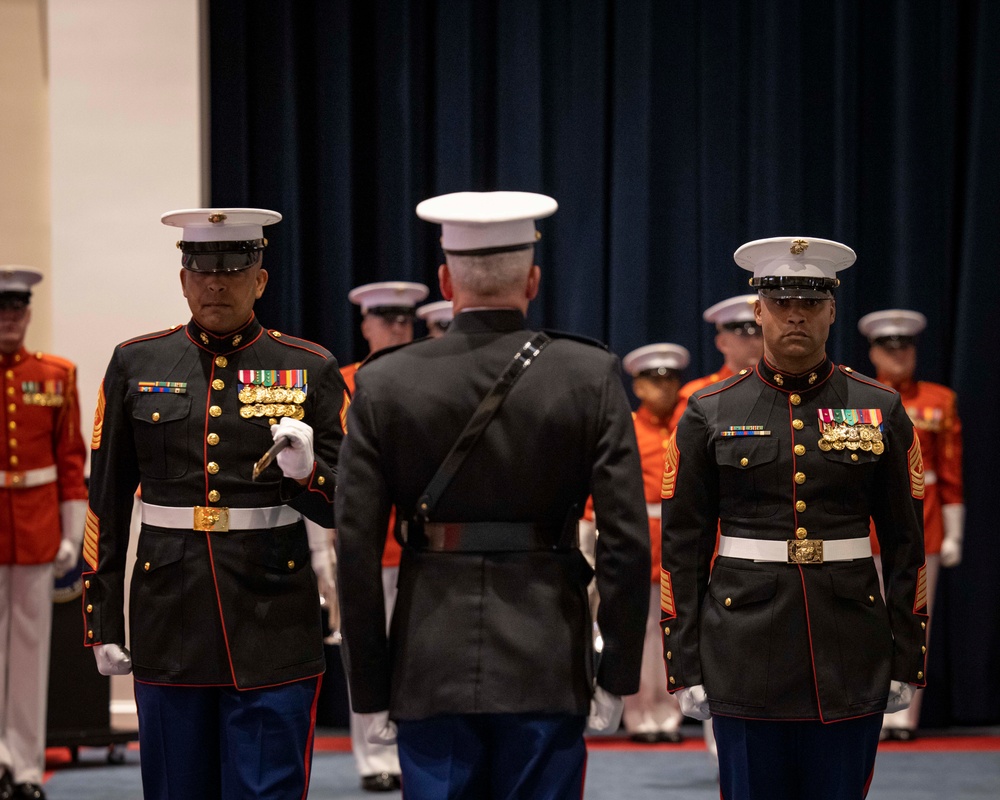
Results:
x,y
661,358
795,266
481,223
221,239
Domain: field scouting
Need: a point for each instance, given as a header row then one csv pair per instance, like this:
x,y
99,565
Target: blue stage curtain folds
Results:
x,y
670,133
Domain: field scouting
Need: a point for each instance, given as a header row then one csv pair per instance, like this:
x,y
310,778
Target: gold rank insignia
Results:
x,y
851,429
272,392
670,466
916,462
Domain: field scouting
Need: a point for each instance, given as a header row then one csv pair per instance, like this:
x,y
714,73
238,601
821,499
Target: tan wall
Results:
x,y
24,153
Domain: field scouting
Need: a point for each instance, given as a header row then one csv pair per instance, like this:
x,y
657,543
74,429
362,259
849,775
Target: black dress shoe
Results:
x,y
29,791
382,782
671,737
6,786
646,737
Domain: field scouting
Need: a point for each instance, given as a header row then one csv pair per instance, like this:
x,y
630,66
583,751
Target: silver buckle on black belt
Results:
x,y
480,537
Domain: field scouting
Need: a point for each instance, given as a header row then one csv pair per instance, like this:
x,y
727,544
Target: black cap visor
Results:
x,y
14,301
894,342
790,287
746,328
660,373
221,256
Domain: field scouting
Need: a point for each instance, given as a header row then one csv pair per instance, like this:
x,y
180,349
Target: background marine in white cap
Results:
x,y
437,317
43,503
933,410
784,637
488,667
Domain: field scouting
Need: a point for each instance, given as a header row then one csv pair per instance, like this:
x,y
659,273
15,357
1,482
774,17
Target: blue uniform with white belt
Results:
x,y
788,631
226,635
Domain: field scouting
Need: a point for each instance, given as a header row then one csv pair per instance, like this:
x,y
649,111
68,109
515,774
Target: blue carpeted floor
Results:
x,y
637,775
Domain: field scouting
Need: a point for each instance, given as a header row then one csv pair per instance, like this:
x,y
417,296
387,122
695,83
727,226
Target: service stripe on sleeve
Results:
x,y
916,469
920,600
91,534
670,466
343,412
95,439
667,595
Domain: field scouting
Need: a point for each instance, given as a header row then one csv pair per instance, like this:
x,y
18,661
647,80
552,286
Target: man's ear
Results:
x,y
183,277
444,281
261,282
833,310
534,279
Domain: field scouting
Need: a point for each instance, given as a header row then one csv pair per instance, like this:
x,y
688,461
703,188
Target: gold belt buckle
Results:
x,y
805,551
13,479
211,519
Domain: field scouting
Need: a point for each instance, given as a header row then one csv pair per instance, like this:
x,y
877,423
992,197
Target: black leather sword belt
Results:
x,y
481,537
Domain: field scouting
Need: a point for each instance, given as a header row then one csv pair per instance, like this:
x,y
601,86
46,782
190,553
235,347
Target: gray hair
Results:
x,y
491,275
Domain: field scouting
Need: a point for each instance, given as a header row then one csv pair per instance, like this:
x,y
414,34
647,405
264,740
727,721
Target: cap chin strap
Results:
x,y
489,251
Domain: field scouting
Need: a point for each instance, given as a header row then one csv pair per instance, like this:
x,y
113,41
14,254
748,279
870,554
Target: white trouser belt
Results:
x,y
653,510
26,479
218,519
795,551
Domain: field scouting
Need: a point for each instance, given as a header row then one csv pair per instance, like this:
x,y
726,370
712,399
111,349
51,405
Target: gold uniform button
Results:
x,y
321,480
221,361
291,565
90,634
10,373
794,399
800,506
12,408
666,631
213,439
744,462
218,384
272,421
146,566
800,449
276,334
798,424
729,602
12,443
155,416
871,599
10,390
213,468
665,443
848,369
14,461
669,655
923,648
12,425
213,496
215,411
744,371
854,456
672,679
90,608
800,478
801,533
923,626
86,583
920,675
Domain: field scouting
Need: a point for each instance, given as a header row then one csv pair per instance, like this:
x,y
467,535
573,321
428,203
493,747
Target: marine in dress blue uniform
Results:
x,y
488,666
786,640
226,638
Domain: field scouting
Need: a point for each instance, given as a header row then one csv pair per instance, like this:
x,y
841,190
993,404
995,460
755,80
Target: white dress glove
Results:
x,y
296,461
693,701
72,518
953,518
320,540
900,696
605,712
377,728
112,659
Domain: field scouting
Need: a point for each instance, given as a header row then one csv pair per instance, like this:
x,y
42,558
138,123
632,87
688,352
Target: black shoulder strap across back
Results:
x,y
484,413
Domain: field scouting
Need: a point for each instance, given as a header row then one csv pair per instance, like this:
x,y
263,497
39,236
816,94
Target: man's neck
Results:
x,y
795,366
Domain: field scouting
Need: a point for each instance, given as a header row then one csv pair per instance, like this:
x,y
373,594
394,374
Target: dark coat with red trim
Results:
x,y
237,608
786,641
493,632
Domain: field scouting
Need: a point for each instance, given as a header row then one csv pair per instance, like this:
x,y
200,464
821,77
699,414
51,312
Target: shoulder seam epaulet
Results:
x,y
295,341
390,349
727,383
147,336
55,361
850,373
576,337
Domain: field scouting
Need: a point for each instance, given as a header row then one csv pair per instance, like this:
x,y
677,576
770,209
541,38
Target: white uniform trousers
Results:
x,y
909,718
374,759
652,709
25,631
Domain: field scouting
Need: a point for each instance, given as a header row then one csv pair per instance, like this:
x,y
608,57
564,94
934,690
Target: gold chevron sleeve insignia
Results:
x,y
91,534
95,439
916,469
667,595
670,465
920,601
343,412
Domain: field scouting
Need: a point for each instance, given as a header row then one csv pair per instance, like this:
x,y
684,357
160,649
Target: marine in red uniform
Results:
x,y
652,714
387,312
43,504
224,615
933,410
737,337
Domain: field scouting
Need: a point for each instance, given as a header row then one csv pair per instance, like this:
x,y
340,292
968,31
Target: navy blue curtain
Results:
x,y
670,133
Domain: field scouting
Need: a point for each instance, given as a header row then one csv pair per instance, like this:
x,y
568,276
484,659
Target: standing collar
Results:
x,y
227,343
488,320
17,357
802,382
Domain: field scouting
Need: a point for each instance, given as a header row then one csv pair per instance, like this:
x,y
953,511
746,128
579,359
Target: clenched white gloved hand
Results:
x,y
953,519
693,701
605,711
900,696
320,541
296,461
72,519
377,728
112,659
